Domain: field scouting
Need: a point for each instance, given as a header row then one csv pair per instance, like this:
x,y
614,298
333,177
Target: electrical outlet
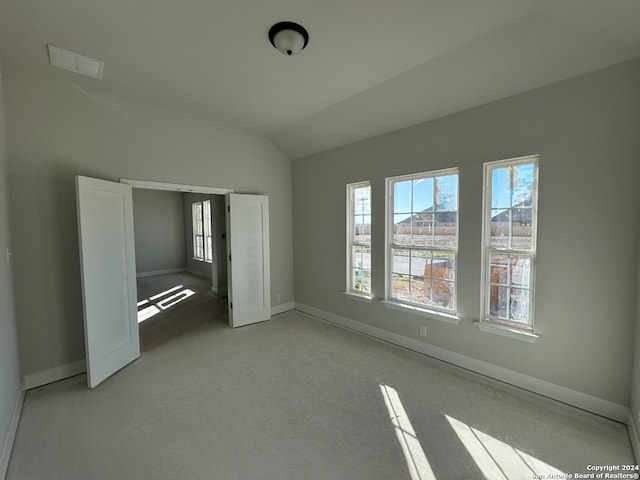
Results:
x,y
277,297
423,330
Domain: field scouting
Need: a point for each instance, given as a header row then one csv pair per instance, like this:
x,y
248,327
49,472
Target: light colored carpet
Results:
x,y
296,398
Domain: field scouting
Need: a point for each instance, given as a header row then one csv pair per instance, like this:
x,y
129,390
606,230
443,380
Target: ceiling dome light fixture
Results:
x,y
288,37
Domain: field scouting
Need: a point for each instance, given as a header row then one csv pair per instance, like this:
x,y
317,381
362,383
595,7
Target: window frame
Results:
x,y
206,235
442,313
206,231
198,238
488,249
351,241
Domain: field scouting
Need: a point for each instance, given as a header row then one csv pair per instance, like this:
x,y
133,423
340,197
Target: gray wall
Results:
x,y
586,132
60,126
635,381
219,243
9,366
159,230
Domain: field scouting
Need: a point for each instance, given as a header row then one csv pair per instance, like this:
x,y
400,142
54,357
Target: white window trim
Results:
x,y
206,231
506,331
398,304
492,324
194,231
360,297
350,292
422,312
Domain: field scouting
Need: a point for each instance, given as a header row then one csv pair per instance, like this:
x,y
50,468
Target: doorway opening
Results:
x,y
108,267
181,274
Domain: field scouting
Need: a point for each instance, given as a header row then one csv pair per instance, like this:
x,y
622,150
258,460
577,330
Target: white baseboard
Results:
x,y
7,444
633,435
199,273
581,400
51,375
283,307
159,272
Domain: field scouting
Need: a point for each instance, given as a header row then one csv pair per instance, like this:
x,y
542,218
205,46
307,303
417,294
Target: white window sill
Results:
x,y
423,312
358,296
506,331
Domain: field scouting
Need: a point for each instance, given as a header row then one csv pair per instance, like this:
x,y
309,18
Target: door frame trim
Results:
x,y
176,187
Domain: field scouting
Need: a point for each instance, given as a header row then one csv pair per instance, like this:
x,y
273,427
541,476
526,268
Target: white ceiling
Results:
x,y
371,66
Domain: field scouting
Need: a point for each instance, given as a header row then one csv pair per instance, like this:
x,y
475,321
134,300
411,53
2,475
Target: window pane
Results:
x,y
196,217
523,184
499,268
362,229
362,200
500,220
206,218
419,293
446,229
519,308
422,195
446,193
441,266
209,250
501,188
512,193
402,229
402,197
521,227
361,280
498,296
423,229
520,270
199,247
361,268
400,287
442,293
418,260
400,261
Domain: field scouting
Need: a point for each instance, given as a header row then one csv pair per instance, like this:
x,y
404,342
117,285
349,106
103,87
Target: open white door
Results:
x,y
249,275
107,260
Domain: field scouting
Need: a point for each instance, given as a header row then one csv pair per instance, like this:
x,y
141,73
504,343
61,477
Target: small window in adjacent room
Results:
x,y
422,240
208,241
202,240
509,233
359,239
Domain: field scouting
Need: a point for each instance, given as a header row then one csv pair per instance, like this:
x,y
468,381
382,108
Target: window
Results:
x,y
359,238
509,233
208,241
202,241
422,240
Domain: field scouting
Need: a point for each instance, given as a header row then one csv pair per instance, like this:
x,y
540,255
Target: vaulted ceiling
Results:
x,y
371,66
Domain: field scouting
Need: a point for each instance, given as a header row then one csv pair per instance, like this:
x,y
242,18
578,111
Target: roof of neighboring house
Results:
x,y
427,216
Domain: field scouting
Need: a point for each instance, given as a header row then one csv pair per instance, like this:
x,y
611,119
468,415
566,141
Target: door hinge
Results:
x,y
229,208
229,257
231,305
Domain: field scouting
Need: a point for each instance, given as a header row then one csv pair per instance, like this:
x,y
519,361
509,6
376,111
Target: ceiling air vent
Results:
x,y
59,57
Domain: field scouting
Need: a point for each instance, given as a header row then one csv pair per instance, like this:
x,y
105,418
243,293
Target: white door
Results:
x,y
107,260
249,276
